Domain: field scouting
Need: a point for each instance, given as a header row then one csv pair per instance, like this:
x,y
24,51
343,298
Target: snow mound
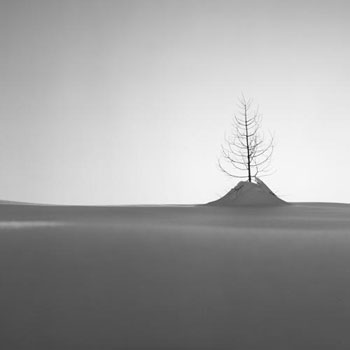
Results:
x,y
247,193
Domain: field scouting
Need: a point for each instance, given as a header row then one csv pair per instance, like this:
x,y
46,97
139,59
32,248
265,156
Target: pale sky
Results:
x,y
127,102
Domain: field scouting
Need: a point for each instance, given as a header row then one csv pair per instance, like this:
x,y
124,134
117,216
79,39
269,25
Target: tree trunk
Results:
x,y
247,143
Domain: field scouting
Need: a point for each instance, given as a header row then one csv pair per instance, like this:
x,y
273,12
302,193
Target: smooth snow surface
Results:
x,y
249,193
175,278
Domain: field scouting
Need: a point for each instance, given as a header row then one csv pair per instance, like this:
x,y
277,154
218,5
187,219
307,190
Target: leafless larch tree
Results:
x,y
246,153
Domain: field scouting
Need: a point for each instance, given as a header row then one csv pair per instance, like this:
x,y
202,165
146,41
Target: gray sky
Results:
x,y
117,102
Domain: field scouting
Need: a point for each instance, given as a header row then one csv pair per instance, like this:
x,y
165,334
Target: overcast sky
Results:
x,y
127,102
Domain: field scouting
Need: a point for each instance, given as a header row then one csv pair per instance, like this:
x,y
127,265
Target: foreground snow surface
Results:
x,y
175,277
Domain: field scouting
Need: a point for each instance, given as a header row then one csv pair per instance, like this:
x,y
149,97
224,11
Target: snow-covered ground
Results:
x,y
175,277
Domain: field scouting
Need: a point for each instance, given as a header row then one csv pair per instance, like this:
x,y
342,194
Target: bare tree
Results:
x,y
246,153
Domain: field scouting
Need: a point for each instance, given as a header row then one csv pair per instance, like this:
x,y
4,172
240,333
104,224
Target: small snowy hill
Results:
x,y
249,193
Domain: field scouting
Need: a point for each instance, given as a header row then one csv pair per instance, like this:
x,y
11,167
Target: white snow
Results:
x,y
249,193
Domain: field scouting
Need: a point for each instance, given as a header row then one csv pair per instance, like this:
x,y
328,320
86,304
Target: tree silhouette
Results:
x,y
245,150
